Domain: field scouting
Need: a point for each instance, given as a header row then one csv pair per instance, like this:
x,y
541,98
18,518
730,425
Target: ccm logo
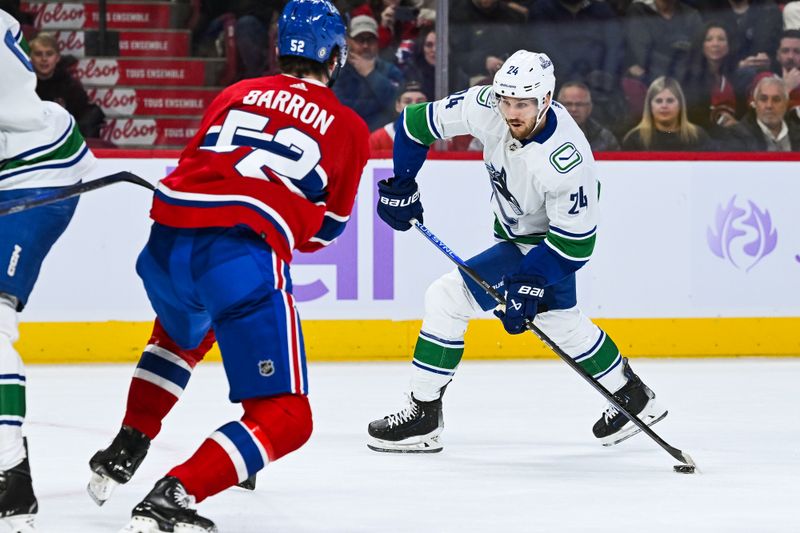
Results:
x,y
400,202
533,291
12,264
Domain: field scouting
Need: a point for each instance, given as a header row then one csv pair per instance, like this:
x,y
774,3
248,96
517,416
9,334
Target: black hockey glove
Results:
x,y
399,203
522,302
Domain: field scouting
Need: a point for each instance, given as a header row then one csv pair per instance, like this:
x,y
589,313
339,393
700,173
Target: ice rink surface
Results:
x,y
519,455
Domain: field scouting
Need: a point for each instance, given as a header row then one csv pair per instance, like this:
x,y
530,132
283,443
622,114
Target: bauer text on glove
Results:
x,y
399,203
522,302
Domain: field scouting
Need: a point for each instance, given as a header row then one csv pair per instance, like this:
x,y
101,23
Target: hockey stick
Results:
x,y
62,193
681,456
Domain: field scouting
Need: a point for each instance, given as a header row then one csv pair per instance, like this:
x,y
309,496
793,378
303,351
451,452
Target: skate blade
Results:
x,y
632,430
142,524
21,523
100,488
416,445
249,483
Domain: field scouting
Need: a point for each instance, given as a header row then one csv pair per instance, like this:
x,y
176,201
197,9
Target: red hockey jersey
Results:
x,y
279,154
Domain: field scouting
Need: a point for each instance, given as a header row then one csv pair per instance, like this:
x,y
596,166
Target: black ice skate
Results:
x,y
614,427
117,463
18,504
167,510
415,429
249,483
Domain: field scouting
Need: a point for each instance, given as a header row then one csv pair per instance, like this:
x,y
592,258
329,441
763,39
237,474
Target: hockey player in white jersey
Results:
x,y
40,149
545,201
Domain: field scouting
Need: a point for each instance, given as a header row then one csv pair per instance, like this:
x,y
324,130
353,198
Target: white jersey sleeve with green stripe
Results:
x,y
40,145
465,112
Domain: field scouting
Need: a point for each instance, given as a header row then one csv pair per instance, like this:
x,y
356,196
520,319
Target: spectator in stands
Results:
x,y
56,83
753,30
786,65
483,33
367,84
583,38
767,125
659,39
421,66
399,22
252,21
383,138
665,126
577,99
710,96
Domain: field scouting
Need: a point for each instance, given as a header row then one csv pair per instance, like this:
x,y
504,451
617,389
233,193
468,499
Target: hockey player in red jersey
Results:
x,y
273,168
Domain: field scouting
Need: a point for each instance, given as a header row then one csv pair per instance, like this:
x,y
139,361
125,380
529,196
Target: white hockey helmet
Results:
x,y
526,75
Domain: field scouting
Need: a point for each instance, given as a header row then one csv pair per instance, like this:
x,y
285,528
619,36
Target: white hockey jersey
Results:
x,y
545,189
40,145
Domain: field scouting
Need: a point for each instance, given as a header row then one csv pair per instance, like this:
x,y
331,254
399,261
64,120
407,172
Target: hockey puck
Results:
x,y
684,469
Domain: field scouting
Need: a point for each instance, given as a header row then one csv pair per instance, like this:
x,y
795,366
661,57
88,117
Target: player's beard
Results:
x,y
521,130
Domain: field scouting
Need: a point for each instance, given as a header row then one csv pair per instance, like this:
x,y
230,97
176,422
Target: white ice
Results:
x,y
519,455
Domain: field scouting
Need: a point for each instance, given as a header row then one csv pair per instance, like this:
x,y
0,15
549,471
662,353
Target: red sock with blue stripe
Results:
x,y
269,429
160,377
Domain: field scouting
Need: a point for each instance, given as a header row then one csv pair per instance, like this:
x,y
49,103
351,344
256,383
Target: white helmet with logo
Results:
x,y
526,75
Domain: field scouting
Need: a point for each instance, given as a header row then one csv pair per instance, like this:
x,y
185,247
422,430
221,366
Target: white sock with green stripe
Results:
x,y
12,389
448,308
435,363
587,344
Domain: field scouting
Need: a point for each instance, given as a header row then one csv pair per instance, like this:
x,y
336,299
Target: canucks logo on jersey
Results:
x,y
565,158
500,185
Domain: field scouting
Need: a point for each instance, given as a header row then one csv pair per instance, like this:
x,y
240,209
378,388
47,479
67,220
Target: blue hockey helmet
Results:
x,y
312,29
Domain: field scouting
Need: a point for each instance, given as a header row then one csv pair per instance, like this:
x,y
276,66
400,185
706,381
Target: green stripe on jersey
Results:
x,y
575,249
72,145
416,121
12,400
501,232
602,359
435,355
23,43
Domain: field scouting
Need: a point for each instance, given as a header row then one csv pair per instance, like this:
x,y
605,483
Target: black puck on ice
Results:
x,y
684,469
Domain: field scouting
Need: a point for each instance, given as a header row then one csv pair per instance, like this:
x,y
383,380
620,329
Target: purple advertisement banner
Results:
x,y
343,254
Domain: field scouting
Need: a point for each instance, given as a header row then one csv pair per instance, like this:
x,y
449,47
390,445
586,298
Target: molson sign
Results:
x,y
131,43
74,16
122,101
96,71
149,44
149,132
114,102
71,42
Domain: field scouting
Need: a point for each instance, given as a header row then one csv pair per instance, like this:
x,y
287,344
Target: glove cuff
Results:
x,y
398,187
